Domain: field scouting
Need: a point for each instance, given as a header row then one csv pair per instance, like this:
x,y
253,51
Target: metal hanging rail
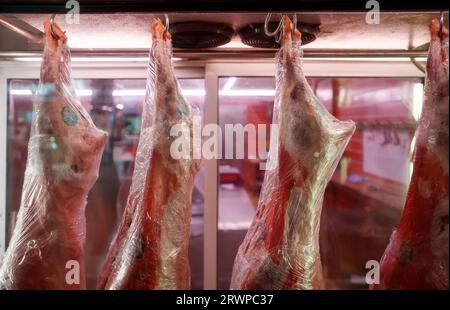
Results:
x,y
19,26
308,53
236,54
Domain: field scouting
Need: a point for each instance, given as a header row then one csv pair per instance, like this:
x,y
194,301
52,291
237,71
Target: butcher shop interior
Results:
x,y
365,66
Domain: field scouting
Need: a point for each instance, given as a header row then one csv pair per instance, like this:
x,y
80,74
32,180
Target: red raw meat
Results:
x,y
281,248
64,154
150,250
417,254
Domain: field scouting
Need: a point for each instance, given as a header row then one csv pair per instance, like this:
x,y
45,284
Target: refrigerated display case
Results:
x,y
369,73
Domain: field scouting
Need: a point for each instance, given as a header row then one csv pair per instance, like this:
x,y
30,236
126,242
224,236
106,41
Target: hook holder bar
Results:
x,y
166,25
441,24
278,33
19,26
266,26
52,31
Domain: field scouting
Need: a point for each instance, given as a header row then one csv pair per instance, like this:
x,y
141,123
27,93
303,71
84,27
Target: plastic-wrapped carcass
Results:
x,y
46,250
417,254
281,248
150,250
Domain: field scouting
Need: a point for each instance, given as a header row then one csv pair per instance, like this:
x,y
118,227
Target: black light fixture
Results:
x,y
200,34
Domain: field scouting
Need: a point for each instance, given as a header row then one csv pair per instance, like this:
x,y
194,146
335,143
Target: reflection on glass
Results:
x,y
241,101
365,197
115,106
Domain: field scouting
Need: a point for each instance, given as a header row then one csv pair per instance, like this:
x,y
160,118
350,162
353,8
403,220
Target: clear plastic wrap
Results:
x,y
417,255
46,250
150,249
281,248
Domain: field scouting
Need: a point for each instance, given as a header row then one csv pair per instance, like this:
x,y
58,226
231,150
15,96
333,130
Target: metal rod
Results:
x,y
294,25
19,26
238,53
266,26
307,53
441,25
52,22
418,65
166,26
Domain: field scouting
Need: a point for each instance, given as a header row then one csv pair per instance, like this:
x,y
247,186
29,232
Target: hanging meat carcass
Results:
x,y
281,248
46,250
150,248
417,254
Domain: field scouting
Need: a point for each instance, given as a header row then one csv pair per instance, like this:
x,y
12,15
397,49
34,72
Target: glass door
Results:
x,y
364,199
115,106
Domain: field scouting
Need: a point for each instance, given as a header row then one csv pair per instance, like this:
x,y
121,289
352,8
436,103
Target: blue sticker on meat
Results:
x,y
69,117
